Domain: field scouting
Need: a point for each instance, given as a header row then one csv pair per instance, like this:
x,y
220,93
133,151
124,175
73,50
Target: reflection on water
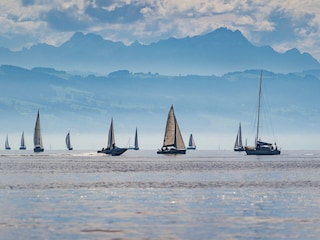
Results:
x,y
140,195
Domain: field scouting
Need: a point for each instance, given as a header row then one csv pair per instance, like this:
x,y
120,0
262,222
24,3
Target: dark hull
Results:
x,y
113,152
70,149
240,149
38,149
191,148
262,152
133,148
22,148
172,151
8,148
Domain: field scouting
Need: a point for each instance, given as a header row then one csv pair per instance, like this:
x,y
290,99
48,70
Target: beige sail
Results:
x,y
173,135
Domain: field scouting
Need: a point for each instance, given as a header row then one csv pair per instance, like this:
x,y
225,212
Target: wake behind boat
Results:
x,y
37,138
112,149
261,147
173,142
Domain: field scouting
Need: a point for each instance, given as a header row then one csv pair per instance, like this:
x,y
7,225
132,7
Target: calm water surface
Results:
x,y
141,195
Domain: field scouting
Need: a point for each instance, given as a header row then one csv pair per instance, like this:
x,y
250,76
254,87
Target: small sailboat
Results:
x,y
6,145
192,144
22,143
261,148
68,142
238,147
37,138
136,143
173,141
112,149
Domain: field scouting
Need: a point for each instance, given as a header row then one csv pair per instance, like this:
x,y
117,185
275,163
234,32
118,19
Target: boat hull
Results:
x,y
133,148
191,148
38,149
114,151
263,151
239,149
172,151
22,148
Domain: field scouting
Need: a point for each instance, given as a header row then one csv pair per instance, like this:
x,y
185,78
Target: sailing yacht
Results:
x,y
192,144
261,147
6,145
68,142
172,142
112,149
238,147
37,138
136,143
22,143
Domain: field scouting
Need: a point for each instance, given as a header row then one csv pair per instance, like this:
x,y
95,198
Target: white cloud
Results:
x,y
261,21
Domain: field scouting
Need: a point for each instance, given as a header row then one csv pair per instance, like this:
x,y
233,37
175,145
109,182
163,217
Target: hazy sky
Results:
x,y
283,24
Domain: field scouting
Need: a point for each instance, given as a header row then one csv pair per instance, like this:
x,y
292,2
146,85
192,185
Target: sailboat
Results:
x,y
22,143
68,142
192,144
112,149
238,147
261,148
173,142
136,143
37,138
6,145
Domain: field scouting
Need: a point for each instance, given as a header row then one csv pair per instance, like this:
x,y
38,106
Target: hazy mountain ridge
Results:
x,y
217,52
203,103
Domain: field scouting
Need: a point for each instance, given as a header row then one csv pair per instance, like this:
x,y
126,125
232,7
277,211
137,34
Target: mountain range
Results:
x,y
217,52
211,106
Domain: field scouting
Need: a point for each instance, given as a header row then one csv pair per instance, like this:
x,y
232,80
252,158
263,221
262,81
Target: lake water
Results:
x,y
142,195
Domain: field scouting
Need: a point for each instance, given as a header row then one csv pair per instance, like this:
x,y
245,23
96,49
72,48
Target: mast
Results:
x,y
259,106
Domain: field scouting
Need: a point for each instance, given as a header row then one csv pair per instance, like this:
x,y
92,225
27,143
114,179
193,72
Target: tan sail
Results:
x,y
173,135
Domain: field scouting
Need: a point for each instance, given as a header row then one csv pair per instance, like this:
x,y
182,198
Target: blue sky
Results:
x,y
282,24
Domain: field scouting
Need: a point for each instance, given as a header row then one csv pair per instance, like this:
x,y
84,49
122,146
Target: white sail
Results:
x,y
238,142
192,144
173,135
22,142
136,143
37,138
7,146
111,139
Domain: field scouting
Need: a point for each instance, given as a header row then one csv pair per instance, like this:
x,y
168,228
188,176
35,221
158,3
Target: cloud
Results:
x,y
281,24
116,14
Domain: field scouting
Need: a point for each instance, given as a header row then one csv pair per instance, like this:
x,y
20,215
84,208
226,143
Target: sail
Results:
x,y
111,139
7,143
22,144
68,142
191,141
238,142
37,138
172,135
136,143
